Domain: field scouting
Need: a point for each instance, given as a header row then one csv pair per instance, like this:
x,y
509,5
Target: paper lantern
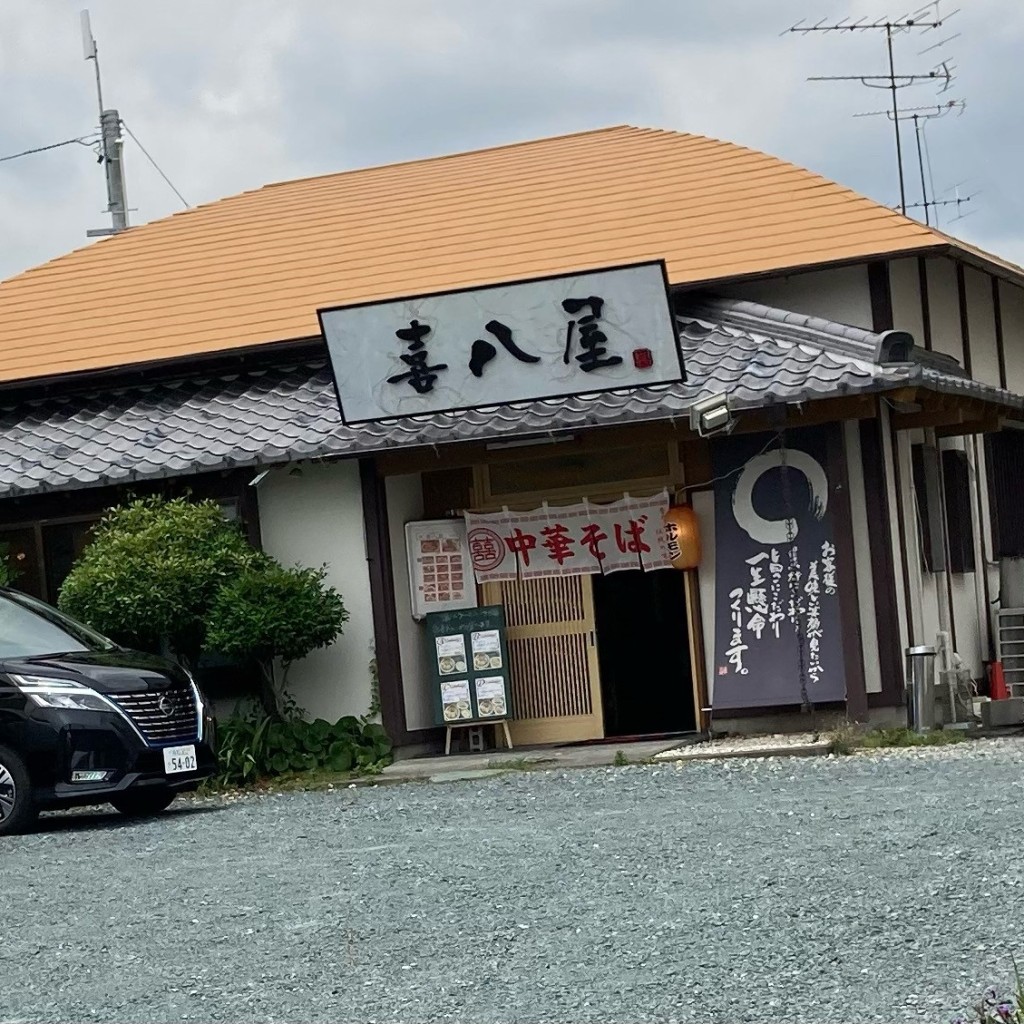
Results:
x,y
682,532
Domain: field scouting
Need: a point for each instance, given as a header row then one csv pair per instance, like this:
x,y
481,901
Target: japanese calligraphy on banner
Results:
x,y
570,540
777,618
547,338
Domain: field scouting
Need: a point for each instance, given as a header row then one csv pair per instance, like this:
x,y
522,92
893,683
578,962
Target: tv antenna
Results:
x,y
111,145
920,117
926,19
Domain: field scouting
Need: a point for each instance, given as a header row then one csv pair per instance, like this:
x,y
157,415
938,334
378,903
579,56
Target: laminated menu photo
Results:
x,y
451,654
490,697
486,645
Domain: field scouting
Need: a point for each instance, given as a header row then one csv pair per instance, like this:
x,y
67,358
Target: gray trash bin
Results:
x,y
921,688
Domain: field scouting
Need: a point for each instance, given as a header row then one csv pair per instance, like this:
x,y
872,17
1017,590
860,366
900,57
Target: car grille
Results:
x,y
153,721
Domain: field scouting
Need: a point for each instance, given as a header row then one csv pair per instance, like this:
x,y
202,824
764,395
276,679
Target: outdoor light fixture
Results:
x,y
712,415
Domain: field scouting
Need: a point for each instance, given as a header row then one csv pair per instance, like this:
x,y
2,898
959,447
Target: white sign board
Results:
x,y
547,338
440,574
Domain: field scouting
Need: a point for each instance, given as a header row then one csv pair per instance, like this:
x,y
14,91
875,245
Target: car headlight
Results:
x,y
49,692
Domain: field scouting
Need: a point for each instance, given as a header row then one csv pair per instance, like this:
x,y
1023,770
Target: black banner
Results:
x,y
777,620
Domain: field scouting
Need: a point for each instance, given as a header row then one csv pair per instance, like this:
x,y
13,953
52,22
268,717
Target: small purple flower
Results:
x,y
958,1020
1004,1010
990,996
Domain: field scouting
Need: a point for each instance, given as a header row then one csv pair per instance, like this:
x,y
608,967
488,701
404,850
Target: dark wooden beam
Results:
x,y
985,425
382,599
846,566
880,291
942,416
965,322
997,310
883,571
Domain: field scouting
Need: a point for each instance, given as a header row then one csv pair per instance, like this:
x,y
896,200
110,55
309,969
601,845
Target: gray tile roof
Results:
x,y
760,356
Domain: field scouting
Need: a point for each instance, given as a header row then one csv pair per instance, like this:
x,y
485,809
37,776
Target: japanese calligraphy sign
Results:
x,y
570,540
547,338
777,617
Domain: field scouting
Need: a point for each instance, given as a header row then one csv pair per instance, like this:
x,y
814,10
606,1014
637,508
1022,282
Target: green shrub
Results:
x,y
176,574
268,612
848,737
902,737
257,746
8,574
153,571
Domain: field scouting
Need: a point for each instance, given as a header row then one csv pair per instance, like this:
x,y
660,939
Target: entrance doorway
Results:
x,y
643,648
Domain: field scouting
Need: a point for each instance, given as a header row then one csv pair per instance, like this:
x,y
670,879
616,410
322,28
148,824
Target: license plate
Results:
x,y
180,759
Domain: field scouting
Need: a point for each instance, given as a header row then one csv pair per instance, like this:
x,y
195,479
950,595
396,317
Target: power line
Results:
x,y
145,153
83,140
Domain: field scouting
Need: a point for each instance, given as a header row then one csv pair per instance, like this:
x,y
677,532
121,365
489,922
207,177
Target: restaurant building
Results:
x,y
616,323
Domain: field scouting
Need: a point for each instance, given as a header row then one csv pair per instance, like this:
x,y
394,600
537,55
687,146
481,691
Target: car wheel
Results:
x,y
17,808
145,803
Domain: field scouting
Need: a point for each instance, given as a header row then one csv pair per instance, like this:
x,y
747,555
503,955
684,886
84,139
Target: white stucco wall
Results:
x,y
923,585
904,283
405,505
841,294
862,559
981,326
311,515
968,595
1011,302
944,304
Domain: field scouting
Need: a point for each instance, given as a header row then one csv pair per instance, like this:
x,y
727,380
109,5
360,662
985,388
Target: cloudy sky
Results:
x,y
232,94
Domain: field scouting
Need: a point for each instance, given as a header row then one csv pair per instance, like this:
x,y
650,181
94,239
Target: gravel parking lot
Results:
x,y
880,887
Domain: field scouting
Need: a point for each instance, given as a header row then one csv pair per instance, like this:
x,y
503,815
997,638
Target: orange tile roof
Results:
x,y
254,268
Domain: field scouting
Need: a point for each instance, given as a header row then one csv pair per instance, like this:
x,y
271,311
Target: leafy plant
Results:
x,y
258,747
902,737
8,574
153,571
268,612
848,737
993,1009
620,760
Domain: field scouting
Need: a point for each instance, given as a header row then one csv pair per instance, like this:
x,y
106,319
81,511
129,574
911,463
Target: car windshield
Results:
x,y
32,629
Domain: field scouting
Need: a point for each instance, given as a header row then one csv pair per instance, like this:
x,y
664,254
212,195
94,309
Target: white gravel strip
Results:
x,y
751,746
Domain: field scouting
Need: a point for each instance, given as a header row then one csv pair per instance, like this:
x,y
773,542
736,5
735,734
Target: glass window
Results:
x,y
63,544
31,629
21,558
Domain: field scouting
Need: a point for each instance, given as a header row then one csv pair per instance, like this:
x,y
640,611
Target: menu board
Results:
x,y
440,575
469,663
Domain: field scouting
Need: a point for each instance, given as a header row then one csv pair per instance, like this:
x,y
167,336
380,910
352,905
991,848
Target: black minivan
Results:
x,y
84,721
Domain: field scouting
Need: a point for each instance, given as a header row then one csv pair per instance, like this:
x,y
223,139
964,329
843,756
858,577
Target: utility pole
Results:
x,y
111,146
927,18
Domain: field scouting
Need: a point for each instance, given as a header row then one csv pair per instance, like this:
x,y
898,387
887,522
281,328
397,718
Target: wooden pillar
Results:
x,y
849,604
382,596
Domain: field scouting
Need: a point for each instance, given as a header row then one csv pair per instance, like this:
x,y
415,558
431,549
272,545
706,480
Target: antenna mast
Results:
x,y
111,145
923,20
921,116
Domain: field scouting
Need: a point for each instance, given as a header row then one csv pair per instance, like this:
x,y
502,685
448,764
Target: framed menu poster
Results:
x,y
440,576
